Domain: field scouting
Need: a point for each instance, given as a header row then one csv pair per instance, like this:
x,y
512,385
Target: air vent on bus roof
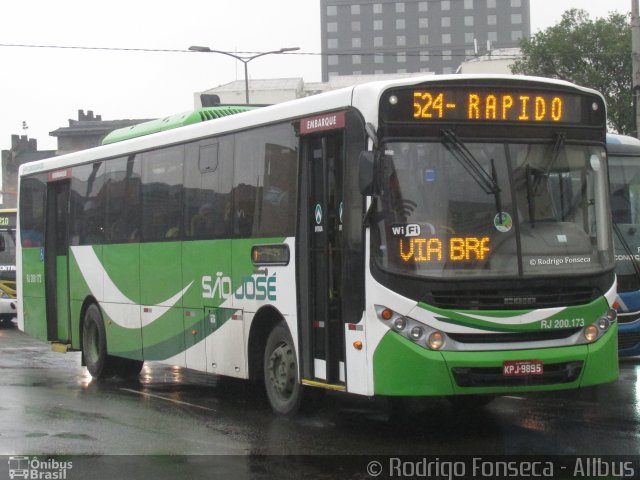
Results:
x,y
174,121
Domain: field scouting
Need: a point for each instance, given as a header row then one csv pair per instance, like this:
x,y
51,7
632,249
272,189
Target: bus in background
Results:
x,y
624,177
8,310
433,236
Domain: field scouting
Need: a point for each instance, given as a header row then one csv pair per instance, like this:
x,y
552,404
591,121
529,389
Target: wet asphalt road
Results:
x,y
50,406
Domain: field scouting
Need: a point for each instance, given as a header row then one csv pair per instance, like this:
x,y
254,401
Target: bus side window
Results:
x,y
32,196
207,184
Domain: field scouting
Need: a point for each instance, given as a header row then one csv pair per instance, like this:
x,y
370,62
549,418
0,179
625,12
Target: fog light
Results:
x,y
591,333
435,340
603,324
400,323
386,314
611,315
416,333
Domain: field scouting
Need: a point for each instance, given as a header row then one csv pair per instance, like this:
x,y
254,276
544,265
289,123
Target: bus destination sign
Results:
x,y
495,105
492,105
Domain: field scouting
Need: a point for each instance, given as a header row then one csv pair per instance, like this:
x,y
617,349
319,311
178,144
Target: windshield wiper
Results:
x,y
488,183
556,148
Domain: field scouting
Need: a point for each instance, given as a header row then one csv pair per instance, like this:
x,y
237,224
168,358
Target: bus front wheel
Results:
x,y
283,388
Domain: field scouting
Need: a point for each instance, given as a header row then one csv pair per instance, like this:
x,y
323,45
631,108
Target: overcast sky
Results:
x,y
45,87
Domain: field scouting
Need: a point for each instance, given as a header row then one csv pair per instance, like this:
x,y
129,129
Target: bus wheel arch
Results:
x,y
263,322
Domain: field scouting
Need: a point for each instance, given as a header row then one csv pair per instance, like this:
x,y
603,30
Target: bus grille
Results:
x,y
628,283
628,317
543,297
513,337
628,340
554,374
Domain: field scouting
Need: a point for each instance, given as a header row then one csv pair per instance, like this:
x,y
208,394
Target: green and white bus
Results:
x,y
433,236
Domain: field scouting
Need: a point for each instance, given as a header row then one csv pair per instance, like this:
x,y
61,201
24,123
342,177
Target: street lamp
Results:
x,y
243,59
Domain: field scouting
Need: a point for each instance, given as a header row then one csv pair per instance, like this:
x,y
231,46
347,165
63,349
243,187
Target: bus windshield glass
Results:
x,y
624,175
487,209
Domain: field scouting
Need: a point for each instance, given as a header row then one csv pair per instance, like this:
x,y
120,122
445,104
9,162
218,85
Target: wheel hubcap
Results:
x,y
282,370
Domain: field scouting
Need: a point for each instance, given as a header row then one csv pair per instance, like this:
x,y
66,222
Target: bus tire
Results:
x,y
94,344
282,385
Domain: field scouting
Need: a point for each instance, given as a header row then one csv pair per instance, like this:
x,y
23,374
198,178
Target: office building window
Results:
x,y
468,37
332,10
423,23
446,38
378,58
491,3
377,41
468,4
445,22
516,3
400,25
356,59
424,56
516,35
332,27
355,42
377,24
401,40
516,18
355,9
492,36
468,21
399,7
401,57
377,8
332,43
445,5
423,6
446,55
492,19
355,26
332,60
424,39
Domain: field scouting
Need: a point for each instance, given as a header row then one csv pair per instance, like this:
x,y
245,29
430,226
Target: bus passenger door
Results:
x,y
320,247
56,257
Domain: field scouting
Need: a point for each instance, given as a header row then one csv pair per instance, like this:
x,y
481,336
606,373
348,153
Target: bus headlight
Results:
x,y
611,315
591,333
603,324
400,323
416,333
435,340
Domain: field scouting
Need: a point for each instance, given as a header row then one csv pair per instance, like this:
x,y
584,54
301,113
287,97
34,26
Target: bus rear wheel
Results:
x,y
94,348
283,388
94,344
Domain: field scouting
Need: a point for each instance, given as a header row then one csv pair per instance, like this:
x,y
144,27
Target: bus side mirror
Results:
x,y
365,172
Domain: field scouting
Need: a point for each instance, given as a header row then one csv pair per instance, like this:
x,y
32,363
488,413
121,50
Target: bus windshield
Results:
x,y
454,209
624,175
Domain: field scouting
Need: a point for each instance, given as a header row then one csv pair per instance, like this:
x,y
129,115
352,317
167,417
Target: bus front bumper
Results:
x,y
402,368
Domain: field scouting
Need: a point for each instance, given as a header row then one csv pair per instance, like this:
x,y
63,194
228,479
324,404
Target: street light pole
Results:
x,y
244,60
